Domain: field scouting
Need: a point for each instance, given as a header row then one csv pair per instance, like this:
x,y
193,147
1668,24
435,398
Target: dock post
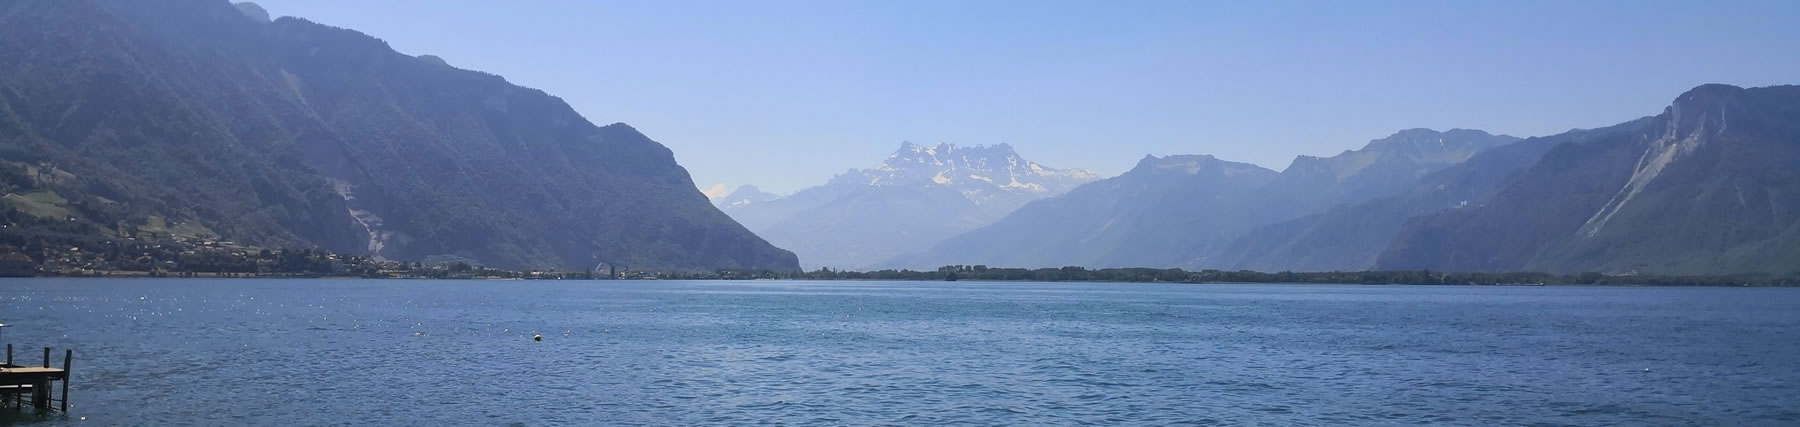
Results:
x,y
9,354
68,356
40,392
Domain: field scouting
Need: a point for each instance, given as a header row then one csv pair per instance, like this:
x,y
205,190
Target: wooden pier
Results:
x,y
19,383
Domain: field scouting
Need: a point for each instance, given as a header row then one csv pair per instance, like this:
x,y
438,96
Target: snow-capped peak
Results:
x,y
948,164
982,173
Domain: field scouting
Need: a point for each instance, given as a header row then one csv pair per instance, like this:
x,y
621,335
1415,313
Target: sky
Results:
x,y
784,94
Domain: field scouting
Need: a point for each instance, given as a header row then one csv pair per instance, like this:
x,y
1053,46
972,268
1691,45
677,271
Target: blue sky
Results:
x,y
784,94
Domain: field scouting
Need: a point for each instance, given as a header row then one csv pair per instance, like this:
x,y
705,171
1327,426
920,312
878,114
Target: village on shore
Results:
x,y
195,257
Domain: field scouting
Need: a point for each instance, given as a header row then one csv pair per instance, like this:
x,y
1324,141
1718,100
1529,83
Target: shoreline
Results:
x,y
216,276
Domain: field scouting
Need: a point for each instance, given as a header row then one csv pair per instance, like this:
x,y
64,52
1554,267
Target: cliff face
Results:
x,y
1706,187
1349,237
295,133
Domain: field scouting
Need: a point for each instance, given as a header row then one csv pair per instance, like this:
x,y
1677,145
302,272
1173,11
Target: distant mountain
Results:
x,y
994,178
1349,237
1152,218
861,228
918,196
1379,168
1708,186
1160,213
745,195
201,118
715,192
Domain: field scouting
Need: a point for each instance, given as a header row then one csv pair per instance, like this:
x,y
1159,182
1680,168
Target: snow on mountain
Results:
x,y
993,177
916,197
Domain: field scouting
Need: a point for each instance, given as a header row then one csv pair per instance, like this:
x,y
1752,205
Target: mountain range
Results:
x,y
206,119
1349,236
918,196
1706,187
1182,211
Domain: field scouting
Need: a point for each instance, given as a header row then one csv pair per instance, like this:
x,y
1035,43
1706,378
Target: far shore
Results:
x,y
126,274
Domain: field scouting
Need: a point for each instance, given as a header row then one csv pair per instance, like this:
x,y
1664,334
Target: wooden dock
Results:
x,y
18,383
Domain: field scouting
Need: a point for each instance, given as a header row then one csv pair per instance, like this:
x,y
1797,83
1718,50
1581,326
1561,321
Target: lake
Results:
x,y
307,352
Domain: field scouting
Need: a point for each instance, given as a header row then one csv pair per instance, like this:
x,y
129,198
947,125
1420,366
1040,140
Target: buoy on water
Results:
x,y
537,337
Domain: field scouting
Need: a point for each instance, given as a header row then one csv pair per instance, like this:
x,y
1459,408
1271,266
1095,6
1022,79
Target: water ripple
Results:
x,y
337,352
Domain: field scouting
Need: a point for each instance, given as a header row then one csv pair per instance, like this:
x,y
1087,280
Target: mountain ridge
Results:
x,y
917,196
1182,210
293,133
1077,228
1348,237
1706,187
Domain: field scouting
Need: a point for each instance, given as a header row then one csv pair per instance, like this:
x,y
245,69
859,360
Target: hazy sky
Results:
x,y
784,94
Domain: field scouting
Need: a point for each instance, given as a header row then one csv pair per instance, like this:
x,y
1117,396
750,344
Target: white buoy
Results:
x,y
537,337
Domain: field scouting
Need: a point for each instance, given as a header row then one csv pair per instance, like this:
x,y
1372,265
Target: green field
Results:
x,y
42,204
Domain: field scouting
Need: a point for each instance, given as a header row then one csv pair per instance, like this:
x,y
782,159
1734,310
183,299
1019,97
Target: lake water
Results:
x,y
306,352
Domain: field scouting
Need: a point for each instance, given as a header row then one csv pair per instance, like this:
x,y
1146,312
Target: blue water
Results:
x,y
305,352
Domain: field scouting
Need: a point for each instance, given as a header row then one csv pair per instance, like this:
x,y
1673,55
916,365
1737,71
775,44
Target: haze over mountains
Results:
x,y
208,120
916,197
201,119
1348,237
1179,211
1706,187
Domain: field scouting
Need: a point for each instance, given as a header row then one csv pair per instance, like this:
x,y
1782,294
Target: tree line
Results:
x,y
1176,275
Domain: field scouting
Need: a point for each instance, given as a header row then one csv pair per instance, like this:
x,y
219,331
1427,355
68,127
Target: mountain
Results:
x,y
744,195
1379,168
993,178
1349,237
866,227
737,204
715,192
205,119
918,196
1706,187
1161,212
1153,218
